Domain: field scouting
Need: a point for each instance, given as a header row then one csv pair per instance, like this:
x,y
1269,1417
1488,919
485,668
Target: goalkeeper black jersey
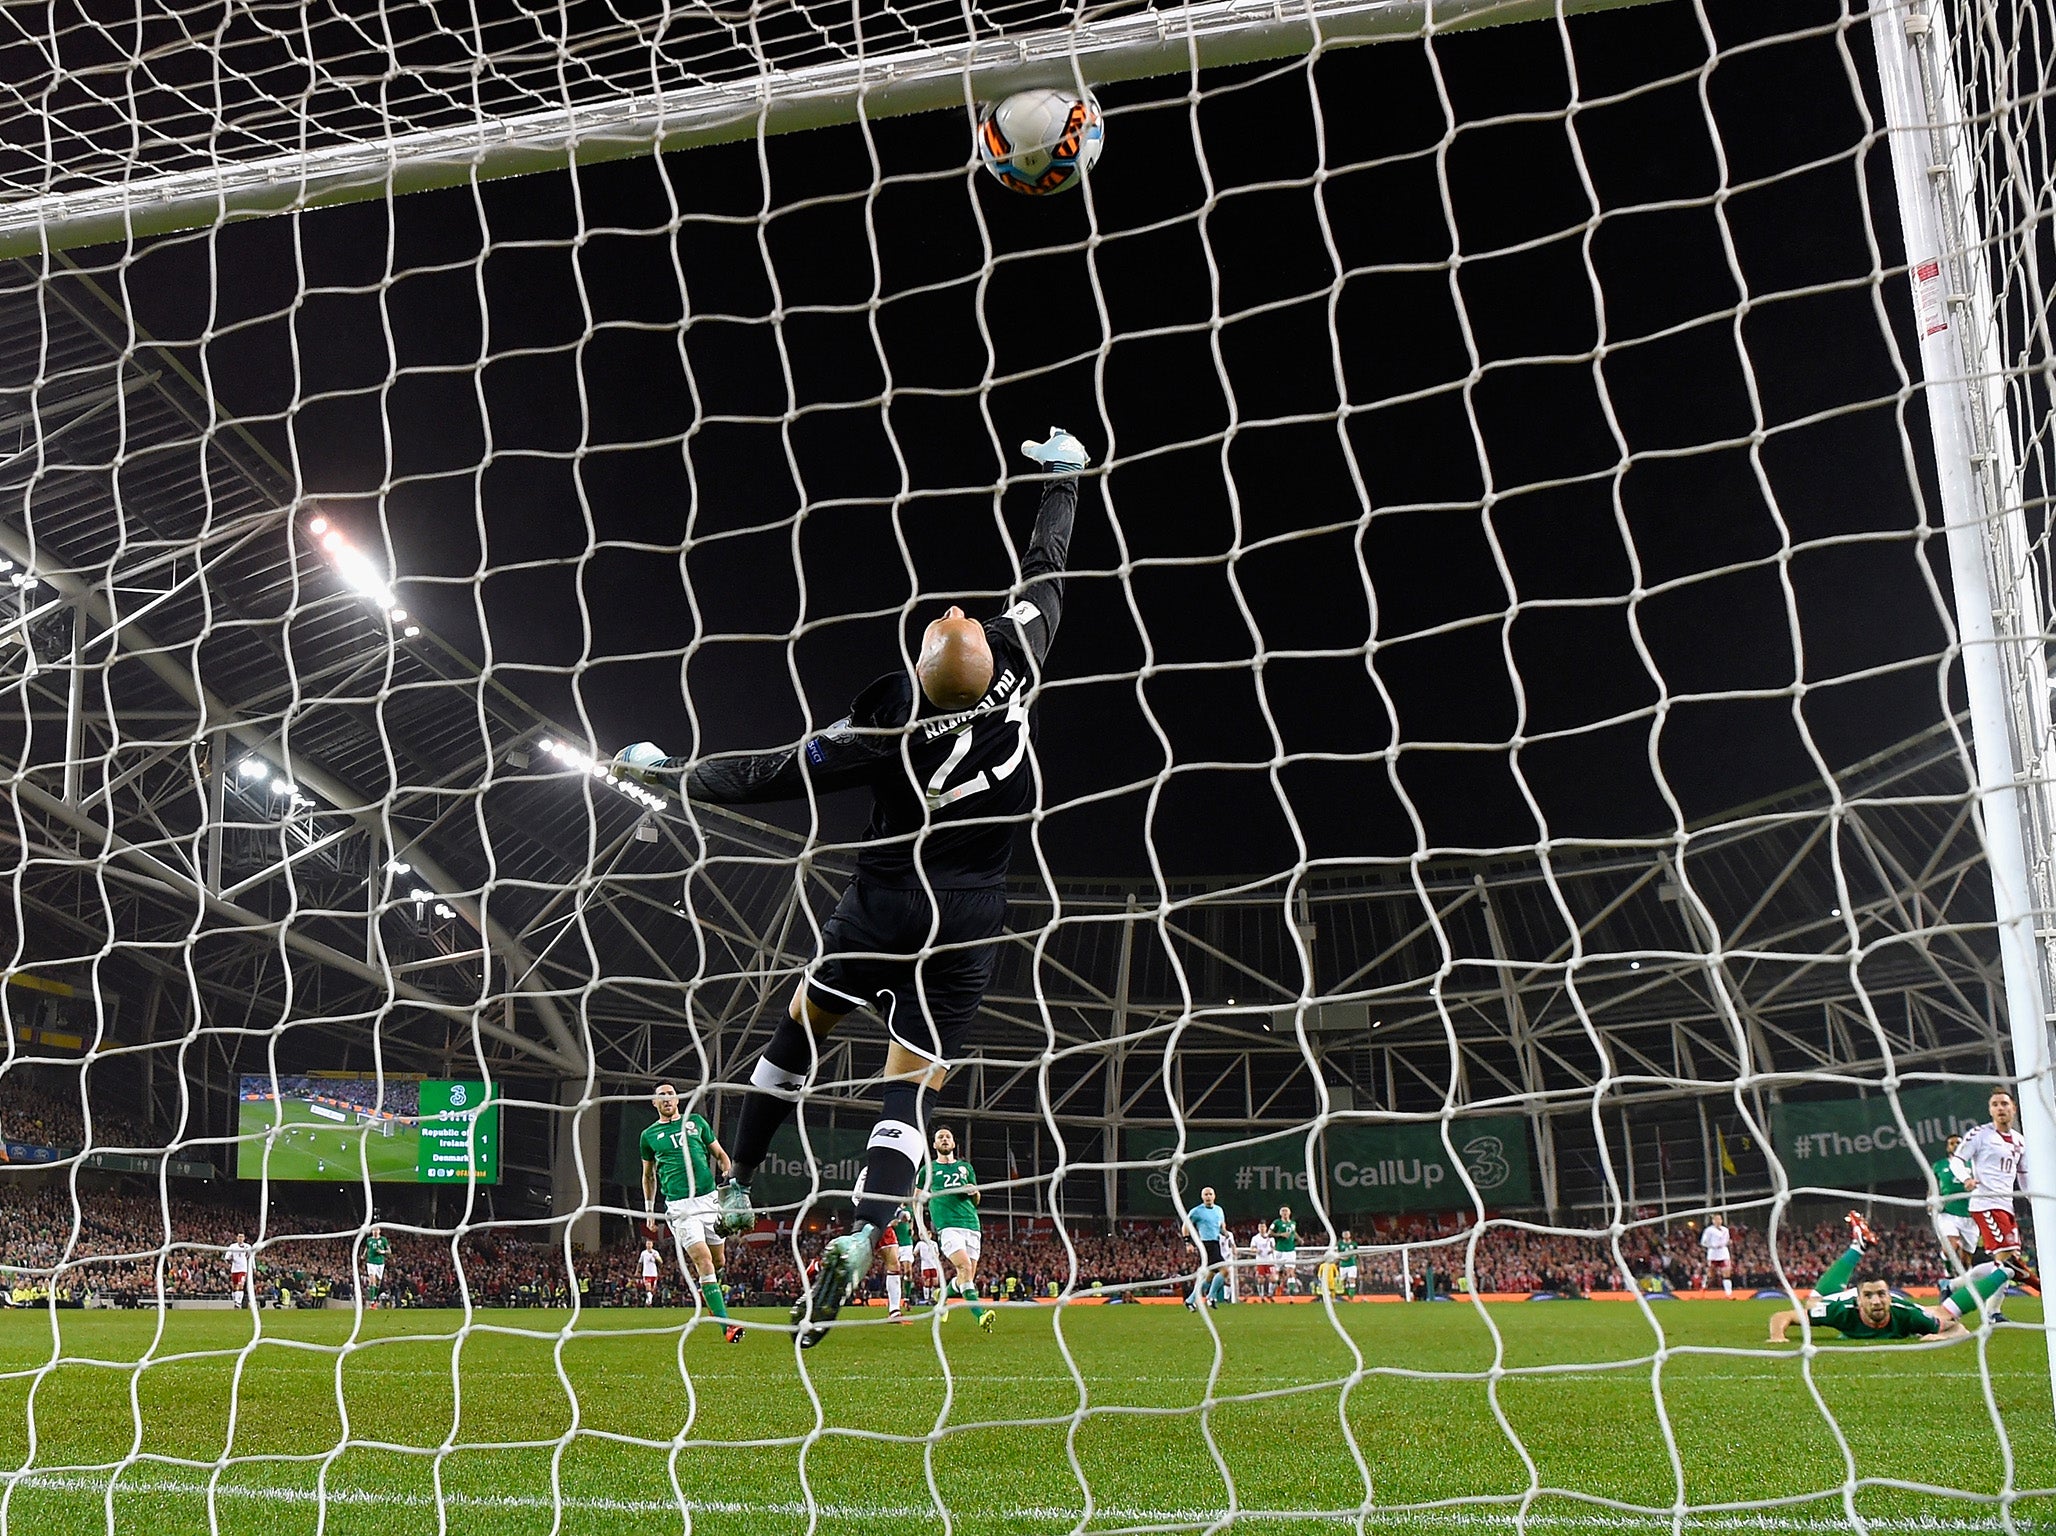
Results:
x,y
947,788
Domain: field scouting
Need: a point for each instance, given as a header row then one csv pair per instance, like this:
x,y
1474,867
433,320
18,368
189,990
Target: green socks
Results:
x,y
1984,1282
710,1288
1838,1274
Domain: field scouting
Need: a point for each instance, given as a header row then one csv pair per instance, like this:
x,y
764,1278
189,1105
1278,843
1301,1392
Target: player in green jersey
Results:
x,y
1869,1310
1285,1235
951,1189
896,1243
683,1162
376,1251
1345,1255
1953,1225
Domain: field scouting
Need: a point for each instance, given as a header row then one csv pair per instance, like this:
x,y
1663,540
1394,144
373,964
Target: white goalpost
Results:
x,y
1548,743
1950,208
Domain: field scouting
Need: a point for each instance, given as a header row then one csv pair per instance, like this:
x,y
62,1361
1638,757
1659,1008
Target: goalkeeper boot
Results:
x,y
731,1333
1860,1233
732,1202
1060,452
844,1263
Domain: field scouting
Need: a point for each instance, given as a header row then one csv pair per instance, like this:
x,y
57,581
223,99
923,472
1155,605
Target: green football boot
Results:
x,y
844,1263
737,1215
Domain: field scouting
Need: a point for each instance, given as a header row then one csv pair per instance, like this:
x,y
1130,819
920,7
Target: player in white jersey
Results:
x,y
652,1266
1714,1239
1263,1253
240,1259
1994,1165
928,1269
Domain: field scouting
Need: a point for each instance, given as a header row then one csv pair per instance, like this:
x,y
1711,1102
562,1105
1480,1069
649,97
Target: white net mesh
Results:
x,y
1521,769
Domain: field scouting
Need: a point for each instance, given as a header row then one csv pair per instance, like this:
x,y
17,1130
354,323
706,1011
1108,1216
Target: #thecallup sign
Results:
x,y
1403,1167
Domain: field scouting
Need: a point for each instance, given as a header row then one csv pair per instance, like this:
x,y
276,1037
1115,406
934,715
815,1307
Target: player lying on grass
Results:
x,y
680,1160
1869,1310
946,752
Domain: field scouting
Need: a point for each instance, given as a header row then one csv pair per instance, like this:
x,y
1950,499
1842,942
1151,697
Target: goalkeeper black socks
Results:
x,y
780,1074
898,1143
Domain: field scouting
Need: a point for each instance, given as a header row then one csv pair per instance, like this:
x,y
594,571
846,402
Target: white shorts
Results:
x,y
375,1273
930,1260
239,1279
956,1240
1962,1228
692,1220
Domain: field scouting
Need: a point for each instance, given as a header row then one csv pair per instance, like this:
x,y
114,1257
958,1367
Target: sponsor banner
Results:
x,y
1362,1168
785,1178
1855,1143
21,1154
789,1175
143,1162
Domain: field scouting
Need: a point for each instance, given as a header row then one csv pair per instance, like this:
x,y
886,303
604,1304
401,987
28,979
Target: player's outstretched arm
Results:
x,y
1952,1327
846,755
1781,1322
1049,546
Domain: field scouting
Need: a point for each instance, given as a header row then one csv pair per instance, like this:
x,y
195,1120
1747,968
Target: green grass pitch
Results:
x,y
667,1422
310,1146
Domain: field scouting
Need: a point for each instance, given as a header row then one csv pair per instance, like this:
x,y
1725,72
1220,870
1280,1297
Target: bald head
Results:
x,y
955,666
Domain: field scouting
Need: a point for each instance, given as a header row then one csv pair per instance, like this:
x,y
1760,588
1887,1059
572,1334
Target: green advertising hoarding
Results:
x,y
1855,1143
1402,1167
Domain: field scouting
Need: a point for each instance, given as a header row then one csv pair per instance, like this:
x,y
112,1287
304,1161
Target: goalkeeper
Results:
x,y
1869,1310
945,754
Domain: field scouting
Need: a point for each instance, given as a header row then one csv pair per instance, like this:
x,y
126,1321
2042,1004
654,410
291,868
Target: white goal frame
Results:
x,y
1170,40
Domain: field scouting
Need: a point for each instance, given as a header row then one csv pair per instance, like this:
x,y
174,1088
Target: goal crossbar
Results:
x,y
1127,47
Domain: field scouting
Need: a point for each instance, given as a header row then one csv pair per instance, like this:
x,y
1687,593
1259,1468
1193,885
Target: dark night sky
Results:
x,y
584,560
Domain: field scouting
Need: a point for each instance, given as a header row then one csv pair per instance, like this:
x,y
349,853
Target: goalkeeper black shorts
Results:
x,y
922,963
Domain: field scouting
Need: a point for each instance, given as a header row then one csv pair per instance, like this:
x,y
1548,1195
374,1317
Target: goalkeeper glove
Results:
x,y
636,761
1060,452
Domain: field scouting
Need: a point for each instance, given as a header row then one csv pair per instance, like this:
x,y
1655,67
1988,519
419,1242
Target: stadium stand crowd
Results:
x,y
108,1248
35,1117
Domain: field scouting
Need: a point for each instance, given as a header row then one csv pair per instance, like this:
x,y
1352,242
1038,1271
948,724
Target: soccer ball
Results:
x,y
1040,142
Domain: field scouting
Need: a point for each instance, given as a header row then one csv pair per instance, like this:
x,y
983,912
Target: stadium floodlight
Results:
x,y
399,867
281,786
252,768
585,763
317,526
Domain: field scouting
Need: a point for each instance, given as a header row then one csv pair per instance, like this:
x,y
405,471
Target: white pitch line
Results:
x,y
1431,1519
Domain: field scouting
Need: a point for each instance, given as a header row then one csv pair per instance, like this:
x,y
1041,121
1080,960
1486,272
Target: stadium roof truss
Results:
x,y
182,624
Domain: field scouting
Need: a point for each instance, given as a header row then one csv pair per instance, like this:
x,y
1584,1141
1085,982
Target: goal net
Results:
x,y
1540,807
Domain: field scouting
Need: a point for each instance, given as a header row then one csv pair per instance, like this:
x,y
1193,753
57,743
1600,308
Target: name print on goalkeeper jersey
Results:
x,y
962,774
948,788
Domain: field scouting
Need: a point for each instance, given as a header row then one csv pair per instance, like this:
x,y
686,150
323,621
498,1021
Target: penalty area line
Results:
x,y
1415,1519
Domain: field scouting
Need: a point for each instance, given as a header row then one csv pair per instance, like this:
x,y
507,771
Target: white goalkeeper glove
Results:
x,y
1060,452
635,760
